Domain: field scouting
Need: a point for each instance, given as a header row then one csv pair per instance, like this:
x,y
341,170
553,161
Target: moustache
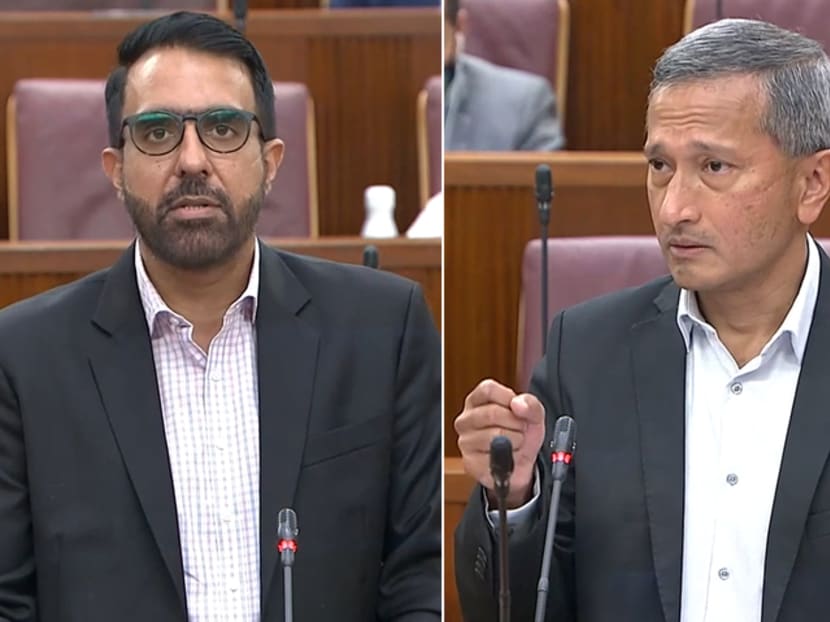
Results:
x,y
193,186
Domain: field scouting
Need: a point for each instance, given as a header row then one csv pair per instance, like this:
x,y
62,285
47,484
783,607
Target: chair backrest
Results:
x,y
580,269
809,17
107,5
532,35
430,154
58,191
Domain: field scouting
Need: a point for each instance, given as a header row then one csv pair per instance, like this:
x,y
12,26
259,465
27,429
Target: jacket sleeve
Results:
x,y
476,550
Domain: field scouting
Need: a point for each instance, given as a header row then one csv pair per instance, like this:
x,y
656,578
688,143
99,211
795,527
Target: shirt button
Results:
x,y
737,388
723,574
233,585
215,377
731,479
227,517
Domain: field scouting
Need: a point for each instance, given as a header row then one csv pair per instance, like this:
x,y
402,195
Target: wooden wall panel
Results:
x,y
614,44
364,70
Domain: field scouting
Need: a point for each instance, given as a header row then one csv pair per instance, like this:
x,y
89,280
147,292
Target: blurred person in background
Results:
x,y
492,108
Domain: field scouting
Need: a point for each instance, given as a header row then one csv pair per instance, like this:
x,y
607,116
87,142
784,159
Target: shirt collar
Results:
x,y
796,323
154,304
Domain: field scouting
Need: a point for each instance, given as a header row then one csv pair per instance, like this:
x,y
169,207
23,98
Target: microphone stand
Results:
x,y
564,437
502,489
287,547
544,219
544,192
501,467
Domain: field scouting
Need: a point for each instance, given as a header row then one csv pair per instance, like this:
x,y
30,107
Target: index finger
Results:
x,y
489,391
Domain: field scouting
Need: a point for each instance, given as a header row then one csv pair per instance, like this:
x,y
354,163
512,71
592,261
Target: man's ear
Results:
x,y
816,186
111,162
272,152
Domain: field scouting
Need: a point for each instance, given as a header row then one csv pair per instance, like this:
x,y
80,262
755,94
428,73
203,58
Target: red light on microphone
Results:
x,y
287,544
561,456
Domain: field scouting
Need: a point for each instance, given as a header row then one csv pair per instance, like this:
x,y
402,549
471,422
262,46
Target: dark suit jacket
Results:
x,y
494,108
617,365
350,427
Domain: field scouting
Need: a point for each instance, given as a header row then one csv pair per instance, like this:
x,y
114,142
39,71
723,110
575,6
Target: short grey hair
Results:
x,y
793,71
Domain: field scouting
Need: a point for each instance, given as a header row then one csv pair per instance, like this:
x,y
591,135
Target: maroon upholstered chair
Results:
x,y
809,17
56,130
430,154
532,35
580,269
104,5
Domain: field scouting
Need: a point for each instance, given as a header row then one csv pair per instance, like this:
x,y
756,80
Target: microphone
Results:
x,y
287,546
544,194
371,258
563,446
719,10
501,468
240,14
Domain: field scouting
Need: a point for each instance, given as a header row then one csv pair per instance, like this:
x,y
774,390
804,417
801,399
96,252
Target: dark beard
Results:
x,y
200,243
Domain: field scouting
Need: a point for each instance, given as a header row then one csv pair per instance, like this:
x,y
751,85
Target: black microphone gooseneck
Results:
x,y
240,14
501,468
544,194
563,446
370,256
287,546
719,9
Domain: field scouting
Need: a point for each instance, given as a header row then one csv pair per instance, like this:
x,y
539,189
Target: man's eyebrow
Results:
x,y
698,146
652,150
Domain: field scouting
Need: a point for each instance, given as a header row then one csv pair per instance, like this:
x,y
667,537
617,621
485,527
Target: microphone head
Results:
x,y
544,184
370,256
564,435
287,524
501,458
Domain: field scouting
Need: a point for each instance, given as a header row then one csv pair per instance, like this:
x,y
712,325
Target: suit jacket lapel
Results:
x,y
121,358
287,348
659,357
805,455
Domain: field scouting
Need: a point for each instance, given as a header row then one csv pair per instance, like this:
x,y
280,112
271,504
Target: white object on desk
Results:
x,y
379,202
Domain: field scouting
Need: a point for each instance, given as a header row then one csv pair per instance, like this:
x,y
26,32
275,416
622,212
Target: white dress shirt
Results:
x,y
736,426
210,410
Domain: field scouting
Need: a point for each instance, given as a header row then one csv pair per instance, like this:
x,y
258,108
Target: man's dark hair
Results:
x,y
194,31
451,11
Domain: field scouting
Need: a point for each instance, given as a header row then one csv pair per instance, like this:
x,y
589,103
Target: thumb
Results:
x,y
528,408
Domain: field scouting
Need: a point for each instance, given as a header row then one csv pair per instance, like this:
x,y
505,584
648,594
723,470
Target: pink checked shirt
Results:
x,y
210,408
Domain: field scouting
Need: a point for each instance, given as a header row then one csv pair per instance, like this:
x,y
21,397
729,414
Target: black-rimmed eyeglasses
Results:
x,y
158,132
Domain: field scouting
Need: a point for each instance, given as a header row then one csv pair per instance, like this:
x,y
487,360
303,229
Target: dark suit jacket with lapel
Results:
x,y
349,388
617,365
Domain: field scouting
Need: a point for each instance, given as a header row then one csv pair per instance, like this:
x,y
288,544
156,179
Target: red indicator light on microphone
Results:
x,y
561,456
287,544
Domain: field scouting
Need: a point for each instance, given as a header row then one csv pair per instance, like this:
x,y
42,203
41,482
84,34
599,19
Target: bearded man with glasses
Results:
x,y
155,417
